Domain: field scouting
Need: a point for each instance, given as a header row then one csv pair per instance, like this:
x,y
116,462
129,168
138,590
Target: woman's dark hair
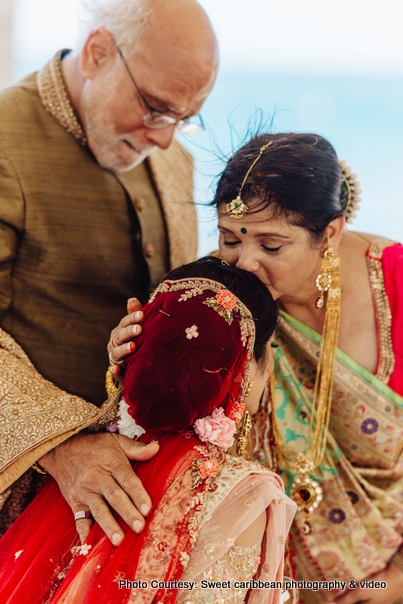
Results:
x,y
246,286
298,175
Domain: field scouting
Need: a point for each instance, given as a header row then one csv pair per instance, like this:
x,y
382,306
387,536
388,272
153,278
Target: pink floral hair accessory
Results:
x,y
226,299
224,303
217,429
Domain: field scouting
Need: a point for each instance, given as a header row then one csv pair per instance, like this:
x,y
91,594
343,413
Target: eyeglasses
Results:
x,y
155,120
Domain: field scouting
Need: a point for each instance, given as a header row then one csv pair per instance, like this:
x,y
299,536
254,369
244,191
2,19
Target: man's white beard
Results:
x,y
110,149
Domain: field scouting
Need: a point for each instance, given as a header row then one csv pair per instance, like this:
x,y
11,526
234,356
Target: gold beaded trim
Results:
x,y
382,309
55,98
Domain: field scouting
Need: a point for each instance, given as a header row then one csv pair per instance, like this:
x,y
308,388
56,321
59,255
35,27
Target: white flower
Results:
x,y
126,424
284,597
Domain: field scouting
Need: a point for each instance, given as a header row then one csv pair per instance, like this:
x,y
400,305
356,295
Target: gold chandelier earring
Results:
x,y
329,273
244,429
305,490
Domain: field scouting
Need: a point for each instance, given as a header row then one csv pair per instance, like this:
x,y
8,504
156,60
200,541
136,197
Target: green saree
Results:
x,y
358,525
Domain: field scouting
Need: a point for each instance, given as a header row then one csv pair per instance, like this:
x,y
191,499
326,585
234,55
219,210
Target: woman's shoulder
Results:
x,y
374,245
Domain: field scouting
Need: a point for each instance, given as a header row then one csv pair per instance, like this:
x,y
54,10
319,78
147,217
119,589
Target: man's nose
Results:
x,y
162,138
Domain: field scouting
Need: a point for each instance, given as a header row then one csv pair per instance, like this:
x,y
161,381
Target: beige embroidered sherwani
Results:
x,y
76,241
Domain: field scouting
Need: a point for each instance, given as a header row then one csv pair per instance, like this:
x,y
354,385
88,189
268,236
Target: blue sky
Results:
x,y
310,36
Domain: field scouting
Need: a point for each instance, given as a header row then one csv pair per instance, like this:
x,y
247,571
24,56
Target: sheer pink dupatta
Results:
x,y
225,520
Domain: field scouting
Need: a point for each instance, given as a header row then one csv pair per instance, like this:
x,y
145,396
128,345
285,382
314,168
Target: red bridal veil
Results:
x,y
192,359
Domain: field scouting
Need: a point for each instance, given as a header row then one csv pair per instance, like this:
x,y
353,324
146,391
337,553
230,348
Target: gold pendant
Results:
x,y
307,494
305,491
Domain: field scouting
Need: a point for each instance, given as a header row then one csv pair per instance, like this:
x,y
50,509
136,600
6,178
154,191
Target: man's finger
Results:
x,y
128,480
103,515
83,528
83,522
119,500
137,451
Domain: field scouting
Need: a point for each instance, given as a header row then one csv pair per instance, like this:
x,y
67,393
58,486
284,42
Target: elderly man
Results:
x,y
95,206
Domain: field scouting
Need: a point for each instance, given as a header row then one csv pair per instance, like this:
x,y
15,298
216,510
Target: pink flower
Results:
x,y
217,429
208,468
226,299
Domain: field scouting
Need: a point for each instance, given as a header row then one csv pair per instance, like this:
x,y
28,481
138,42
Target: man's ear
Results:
x,y
97,50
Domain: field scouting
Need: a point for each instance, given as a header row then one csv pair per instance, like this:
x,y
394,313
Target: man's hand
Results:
x,y
120,343
92,471
394,588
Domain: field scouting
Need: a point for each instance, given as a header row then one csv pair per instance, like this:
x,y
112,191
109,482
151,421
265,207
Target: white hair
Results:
x,y
126,21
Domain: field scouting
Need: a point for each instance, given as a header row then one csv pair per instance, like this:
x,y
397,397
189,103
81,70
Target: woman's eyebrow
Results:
x,y
221,228
273,234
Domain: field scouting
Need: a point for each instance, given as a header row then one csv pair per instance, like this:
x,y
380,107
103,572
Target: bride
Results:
x,y
218,523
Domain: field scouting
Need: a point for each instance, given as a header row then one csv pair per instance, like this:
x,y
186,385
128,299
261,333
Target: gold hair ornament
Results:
x,y
350,191
237,208
305,490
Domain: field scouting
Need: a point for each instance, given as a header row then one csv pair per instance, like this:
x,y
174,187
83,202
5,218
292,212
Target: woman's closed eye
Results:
x,y
231,243
271,250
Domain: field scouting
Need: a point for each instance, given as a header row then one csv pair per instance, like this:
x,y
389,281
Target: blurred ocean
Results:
x,y
361,117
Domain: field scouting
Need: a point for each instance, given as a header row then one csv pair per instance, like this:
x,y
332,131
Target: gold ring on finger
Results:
x,y
113,362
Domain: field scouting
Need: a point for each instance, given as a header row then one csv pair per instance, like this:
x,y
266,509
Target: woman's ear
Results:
x,y
336,228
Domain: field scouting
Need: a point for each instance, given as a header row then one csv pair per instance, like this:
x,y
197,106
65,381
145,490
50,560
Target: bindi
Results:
x,y
243,231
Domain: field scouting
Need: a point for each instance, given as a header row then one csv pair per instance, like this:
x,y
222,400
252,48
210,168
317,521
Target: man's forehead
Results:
x,y
171,86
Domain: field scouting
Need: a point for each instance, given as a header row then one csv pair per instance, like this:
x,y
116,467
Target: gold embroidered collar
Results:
x,y
56,100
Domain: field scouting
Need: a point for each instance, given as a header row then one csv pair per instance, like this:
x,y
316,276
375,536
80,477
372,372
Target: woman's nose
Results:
x,y
248,262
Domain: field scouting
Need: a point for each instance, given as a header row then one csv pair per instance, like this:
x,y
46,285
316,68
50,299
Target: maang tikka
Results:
x,y
237,208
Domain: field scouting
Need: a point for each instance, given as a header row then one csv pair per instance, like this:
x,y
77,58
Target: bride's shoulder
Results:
x,y
237,468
